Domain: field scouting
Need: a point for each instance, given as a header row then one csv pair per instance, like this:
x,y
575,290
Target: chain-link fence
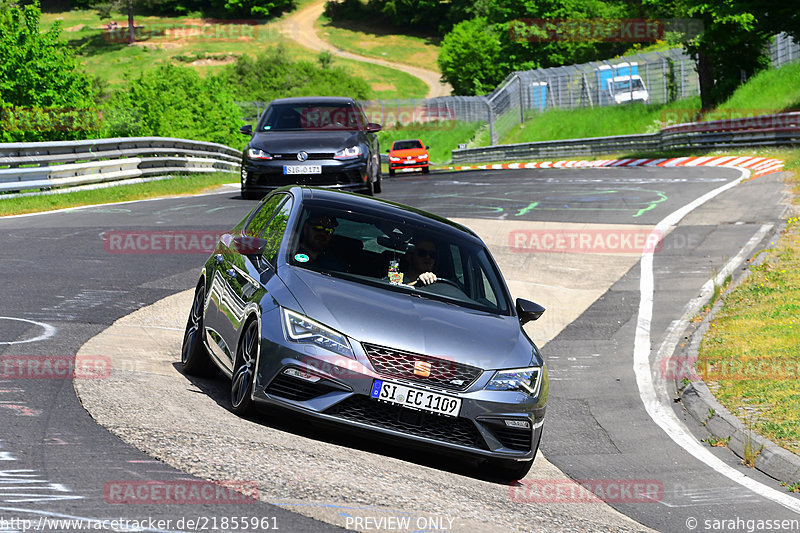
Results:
x,y
653,77
783,50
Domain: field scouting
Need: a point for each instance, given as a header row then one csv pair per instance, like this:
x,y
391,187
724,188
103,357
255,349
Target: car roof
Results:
x,y
350,201
406,140
337,100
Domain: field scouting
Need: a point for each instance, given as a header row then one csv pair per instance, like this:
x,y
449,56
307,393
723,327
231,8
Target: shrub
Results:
x,y
173,101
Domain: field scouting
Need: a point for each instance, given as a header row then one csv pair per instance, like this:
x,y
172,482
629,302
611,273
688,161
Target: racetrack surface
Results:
x,y
596,427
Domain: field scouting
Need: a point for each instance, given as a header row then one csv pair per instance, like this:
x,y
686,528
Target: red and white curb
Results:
x,y
757,165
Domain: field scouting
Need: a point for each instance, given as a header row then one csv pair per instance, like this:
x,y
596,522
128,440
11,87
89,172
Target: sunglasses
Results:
x,y
425,253
326,229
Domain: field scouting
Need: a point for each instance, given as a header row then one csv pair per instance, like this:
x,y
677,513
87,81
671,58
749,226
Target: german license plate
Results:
x,y
302,169
415,398
409,162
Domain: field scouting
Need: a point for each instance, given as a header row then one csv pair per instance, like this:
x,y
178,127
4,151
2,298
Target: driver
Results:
x,y
419,262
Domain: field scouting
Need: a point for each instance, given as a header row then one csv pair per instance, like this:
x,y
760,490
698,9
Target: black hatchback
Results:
x,y
320,141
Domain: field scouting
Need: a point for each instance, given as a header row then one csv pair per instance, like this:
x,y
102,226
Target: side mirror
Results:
x,y
387,151
373,128
249,245
247,129
528,310
427,147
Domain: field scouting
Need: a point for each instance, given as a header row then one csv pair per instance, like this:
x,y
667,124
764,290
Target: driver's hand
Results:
x,y
426,278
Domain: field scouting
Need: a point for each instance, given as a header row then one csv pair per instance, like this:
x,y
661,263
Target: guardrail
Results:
x,y
71,163
765,130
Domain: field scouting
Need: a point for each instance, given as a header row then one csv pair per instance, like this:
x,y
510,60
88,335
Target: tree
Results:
x,y
733,44
470,58
44,94
517,42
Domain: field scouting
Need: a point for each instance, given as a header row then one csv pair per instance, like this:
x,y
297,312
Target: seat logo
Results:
x,y
422,368
302,156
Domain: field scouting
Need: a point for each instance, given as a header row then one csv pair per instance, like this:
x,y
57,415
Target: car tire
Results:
x,y
194,356
425,169
250,195
391,172
244,370
377,187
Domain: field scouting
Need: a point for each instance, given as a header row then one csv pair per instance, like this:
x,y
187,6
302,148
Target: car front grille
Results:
x,y
311,156
444,373
436,427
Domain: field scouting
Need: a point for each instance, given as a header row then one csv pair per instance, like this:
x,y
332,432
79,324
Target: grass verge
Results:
x,y
366,39
599,121
750,356
189,184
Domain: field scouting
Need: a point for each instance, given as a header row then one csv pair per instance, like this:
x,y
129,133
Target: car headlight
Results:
x,y
300,328
521,379
422,156
394,159
255,153
348,153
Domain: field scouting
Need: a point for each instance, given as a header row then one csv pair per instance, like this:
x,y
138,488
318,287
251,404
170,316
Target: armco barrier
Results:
x,y
70,163
766,130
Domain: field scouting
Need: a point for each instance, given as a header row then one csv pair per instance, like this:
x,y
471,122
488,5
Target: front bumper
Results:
x,y
341,395
265,175
408,163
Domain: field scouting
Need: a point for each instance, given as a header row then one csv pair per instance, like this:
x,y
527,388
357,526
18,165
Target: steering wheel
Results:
x,y
448,282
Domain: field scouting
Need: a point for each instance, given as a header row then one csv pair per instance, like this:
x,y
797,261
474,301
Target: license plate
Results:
x,y
415,398
409,162
302,169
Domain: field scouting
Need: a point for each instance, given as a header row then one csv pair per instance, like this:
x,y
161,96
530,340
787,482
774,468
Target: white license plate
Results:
x,y
415,398
302,169
409,162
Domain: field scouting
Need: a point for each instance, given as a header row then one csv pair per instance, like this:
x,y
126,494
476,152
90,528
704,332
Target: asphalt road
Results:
x,y
62,276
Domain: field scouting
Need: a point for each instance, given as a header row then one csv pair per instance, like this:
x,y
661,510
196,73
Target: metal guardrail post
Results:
x,y
492,136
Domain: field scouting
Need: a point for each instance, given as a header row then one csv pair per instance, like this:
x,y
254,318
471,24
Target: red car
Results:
x,y
409,153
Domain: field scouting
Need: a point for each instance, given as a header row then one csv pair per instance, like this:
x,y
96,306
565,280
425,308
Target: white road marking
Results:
x,y
48,332
660,411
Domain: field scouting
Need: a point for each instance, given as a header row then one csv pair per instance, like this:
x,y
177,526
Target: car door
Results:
x,y
236,282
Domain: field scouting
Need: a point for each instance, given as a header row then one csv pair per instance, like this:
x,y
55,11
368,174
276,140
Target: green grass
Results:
x,y
387,83
191,183
750,355
371,40
770,91
441,137
598,122
173,39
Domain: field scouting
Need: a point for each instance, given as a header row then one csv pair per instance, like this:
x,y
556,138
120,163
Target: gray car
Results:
x,y
316,302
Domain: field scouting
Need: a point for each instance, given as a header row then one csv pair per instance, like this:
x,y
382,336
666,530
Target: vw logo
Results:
x,y
302,156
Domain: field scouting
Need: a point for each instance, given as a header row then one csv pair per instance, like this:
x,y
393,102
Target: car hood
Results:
x,y
419,325
280,142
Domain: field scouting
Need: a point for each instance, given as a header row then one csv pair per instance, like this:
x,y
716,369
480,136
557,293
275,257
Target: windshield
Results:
x,y
625,85
300,117
406,145
392,254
